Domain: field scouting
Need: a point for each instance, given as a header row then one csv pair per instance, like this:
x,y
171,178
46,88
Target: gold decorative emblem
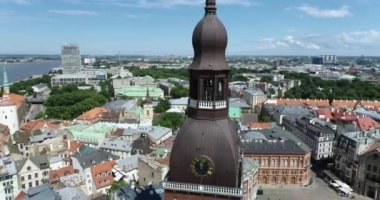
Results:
x,y
202,167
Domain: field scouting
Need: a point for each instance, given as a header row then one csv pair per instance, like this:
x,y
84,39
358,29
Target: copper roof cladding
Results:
x,y
209,41
216,139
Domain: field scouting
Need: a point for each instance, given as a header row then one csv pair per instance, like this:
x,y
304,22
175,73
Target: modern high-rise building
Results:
x,y
329,58
71,59
206,161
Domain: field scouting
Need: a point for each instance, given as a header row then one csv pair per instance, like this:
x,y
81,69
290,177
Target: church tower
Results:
x,y
148,109
205,158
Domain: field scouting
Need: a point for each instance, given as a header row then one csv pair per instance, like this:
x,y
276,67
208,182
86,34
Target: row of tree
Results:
x,y
25,86
316,88
68,102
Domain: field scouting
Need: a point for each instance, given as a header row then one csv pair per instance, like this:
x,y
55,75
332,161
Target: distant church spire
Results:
x,y
148,99
5,81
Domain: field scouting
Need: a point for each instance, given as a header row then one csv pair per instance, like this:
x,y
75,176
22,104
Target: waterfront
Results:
x,y
21,71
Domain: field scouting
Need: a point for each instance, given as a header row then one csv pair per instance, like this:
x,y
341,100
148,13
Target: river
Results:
x,y
21,71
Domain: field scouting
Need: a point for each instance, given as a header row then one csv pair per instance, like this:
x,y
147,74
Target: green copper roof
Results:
x,y
140,92
234,112
91,133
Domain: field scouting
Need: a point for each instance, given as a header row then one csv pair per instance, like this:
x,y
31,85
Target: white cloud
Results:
x,y
344,11
349,43
288,42
361,38
74,12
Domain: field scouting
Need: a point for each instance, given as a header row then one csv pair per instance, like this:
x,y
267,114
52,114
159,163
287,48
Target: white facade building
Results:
x,y
8,114
65,79
33,172
9,186
317,134
254,96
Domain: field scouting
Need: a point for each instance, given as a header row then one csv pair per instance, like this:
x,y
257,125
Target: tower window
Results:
x,y
220,89
208,89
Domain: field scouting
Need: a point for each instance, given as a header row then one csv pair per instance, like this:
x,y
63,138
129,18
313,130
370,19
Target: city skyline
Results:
x,y
163,27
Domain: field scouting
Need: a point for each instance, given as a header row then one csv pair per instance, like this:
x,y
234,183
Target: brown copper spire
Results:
x,y
210,7
207,133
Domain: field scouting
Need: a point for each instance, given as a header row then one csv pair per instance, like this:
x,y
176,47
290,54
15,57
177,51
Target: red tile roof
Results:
x,y
65,171
20,196
325,113
302,102
17,99
343,116
102,174
367,123
40,123
353,103
258,125
92,115
74,145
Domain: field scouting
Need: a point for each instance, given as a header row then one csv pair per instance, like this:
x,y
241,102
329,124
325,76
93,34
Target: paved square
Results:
x,y
319,190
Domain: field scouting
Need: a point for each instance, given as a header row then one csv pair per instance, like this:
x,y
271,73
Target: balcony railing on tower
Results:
x,y
207,105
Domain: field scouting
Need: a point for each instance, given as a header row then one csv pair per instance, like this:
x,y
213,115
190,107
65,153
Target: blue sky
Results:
x,y
164,27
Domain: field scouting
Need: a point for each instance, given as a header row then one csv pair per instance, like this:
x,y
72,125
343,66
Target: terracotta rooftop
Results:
x,y
326,113
340,115
102,174
353,103
259,125
56,174
40,123
92,115
20,196
301,102
367,123
17,99
74,145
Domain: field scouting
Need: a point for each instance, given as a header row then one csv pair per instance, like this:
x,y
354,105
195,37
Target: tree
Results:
x,y
179,91
40,115
69,102
170,120
264,116
163,105
266,79
239,77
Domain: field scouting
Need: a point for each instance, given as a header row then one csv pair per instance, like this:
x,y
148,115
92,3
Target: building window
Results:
x,y
37,183
29,177
30,184
36,175
28,168
374,169
23,186
22,178
369,167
